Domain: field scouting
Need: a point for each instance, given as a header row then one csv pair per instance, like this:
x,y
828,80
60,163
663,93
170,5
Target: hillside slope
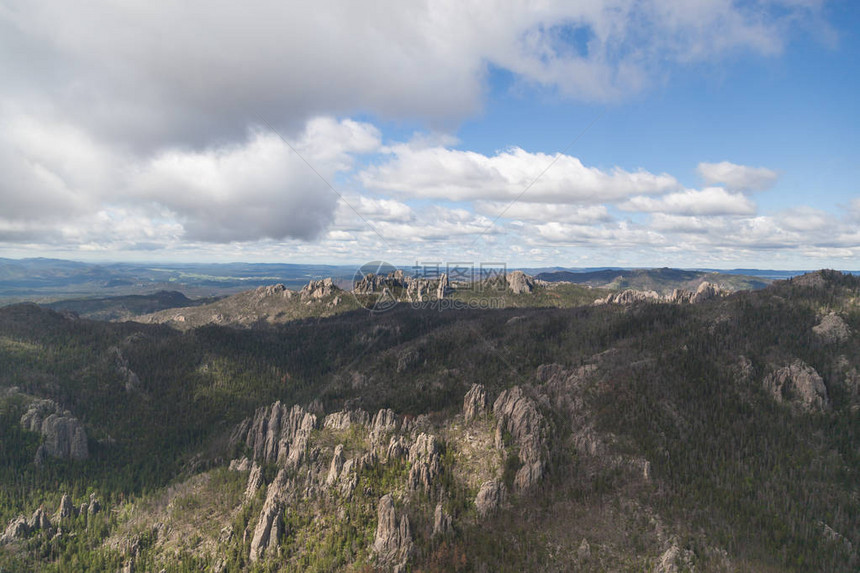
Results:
x,y
721,436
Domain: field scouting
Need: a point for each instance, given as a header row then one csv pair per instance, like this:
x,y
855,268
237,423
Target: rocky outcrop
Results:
x,y
491,497
343,420
397,448
443,288
336,465
277,290
675,560
629,296
315,290
276,433
66,509
63,436
384,421
706,291
39,520
475,402
517,416
425,464
130,380
255,481
519,282
798,384
393,542
270,525
441,521
17,529
832,329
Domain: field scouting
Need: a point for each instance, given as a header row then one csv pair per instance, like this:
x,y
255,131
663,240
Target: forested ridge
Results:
x,y
745,474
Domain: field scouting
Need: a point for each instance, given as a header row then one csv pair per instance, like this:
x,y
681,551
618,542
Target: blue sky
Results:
x,y
697,134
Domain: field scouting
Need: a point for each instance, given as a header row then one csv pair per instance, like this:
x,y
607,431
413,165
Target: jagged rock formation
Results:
x,y
344,419
383,422
519,282
336,465
318,289
425,463
441,521
255,480
443,287
675,560
629,296
705,291
491,497
270,526
393,541
17,529
799,384
63,436
130,380
475,402
832,328
66,509
519,417
276,433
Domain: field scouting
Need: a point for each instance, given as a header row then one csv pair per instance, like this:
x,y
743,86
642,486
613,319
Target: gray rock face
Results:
x,y
443,287
832,329
629,296
255,481
706,291
66,509
674,560
316,290
519,282
425,463
336,465
94,506
343,420
39,520
276,433
441,521
397,448
63,435
383,422
518,416
130,379
491,497
799,384
475,402
17,529
393,542
270,526
679,296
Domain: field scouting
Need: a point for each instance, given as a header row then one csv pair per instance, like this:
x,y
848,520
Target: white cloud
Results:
x,y
442,173
543,212
709,201
737,177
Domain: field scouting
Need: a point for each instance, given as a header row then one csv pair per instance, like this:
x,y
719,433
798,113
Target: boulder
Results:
x,y
800,385
491,497
393,542
475,402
